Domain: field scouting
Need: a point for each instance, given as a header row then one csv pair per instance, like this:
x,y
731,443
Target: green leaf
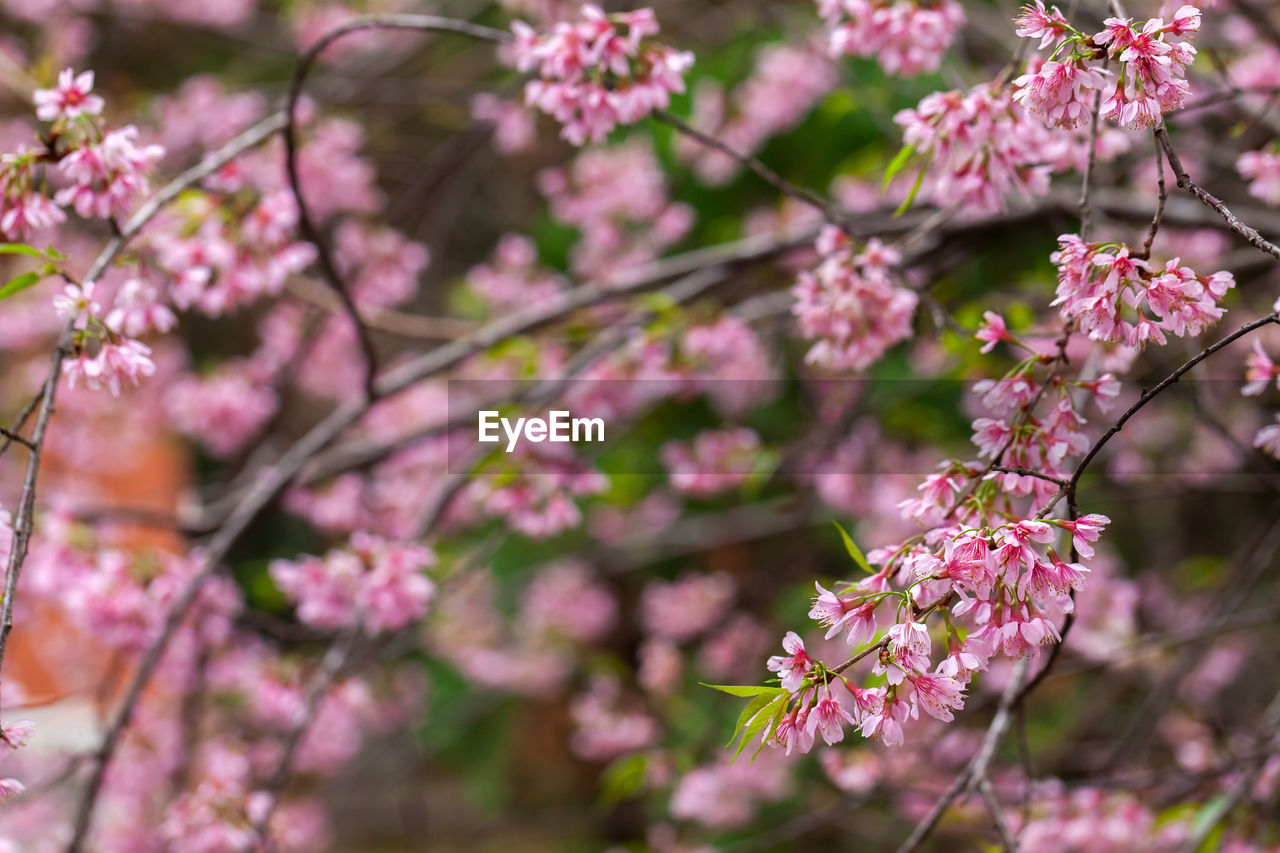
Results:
x,y
853,549
754,707
623,778
744,690
897,164
19,249
19,284
768,716
911,196
773,727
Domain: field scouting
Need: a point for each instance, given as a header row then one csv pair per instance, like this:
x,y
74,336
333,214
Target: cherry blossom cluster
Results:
x,y
538,501
991,559
375,585
978,147
1262,168
850,304
104,356
714,462
1151,60
13,736
1118,297
907,37
619,201
101,170
1260,371
599,71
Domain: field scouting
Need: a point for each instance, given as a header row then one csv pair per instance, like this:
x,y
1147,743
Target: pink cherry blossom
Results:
x,y
599,71
905,36
70,99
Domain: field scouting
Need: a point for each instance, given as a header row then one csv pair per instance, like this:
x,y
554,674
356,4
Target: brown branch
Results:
x,y
1149,395
1145,254
829,209
1086,185
307,226
1233,222
335,661
977,768
997,815
25,518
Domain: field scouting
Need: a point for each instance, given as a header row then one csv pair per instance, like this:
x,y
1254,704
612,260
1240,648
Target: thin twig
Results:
x,y
977,768
1145,254
826,207
25,518
1184,182
306,224
1086,185
997,815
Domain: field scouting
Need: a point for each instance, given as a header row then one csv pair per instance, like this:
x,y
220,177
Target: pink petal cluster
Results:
x,y
599,71
618,199
1262,169
106,177
849,304
1117,297
223,409
1260,369
978,147
376,585
116,363
907,37
681,609
71,98
1151,61
716,461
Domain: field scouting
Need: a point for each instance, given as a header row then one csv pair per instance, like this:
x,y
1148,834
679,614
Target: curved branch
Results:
x,y
306,225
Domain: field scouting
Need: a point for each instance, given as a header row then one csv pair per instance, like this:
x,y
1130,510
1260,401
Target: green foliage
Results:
x,y
25,280
854,551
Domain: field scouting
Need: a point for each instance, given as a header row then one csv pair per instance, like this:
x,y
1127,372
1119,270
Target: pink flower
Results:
x,y
1036,22
851,305
10,788
15,735
906,37
938,695
795,665
794,732
71,98
75,305
1115,296
115,363
977,148
1259,371
992,331
715,462
138,309
1085,531
1262,168
28,212
599,71
885,716
106,177
837,613
828,717
1268,439
1061,93
961,664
